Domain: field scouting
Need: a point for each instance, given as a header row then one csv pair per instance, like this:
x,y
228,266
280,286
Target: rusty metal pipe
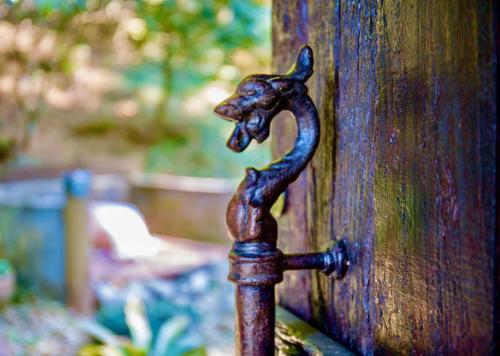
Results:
x,y
305,261
255,327
255,267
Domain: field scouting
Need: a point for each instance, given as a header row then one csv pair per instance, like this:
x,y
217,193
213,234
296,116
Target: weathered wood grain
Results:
x,y
295,337
405,172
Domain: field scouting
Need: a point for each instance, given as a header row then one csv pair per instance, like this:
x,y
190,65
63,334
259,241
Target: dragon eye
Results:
x,y
251,92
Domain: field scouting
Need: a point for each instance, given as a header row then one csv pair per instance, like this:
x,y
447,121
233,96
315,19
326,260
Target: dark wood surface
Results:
x,y
405,172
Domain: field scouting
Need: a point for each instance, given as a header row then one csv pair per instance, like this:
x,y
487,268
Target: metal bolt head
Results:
x,y
336,261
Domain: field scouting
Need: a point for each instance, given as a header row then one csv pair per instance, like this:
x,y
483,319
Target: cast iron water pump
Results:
x,y
256,265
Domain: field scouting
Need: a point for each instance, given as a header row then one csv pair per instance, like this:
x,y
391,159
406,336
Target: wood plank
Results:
x,y
289,33
434,247
295,337
405,172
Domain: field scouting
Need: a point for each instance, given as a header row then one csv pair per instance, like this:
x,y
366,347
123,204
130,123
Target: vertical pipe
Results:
x,y
255,268
255,319
77,241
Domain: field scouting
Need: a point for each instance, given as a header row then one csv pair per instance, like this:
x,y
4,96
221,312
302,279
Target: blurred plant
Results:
x,y
172,339
7,281
40,328
40,64
202,297
5,268
147,70
192,42
193,52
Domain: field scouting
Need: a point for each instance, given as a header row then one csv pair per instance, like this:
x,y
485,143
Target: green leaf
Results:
x,y
5,268
61,5
100,332
169,332
201,351
137,321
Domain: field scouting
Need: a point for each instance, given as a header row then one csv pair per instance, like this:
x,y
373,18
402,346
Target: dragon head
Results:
x,y
259,98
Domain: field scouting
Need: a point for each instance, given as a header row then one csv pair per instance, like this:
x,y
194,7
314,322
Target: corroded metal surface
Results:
x,y
256,102
333,262
256,264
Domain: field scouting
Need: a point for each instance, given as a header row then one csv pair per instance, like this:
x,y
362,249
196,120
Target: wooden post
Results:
x,y
405,173
77,240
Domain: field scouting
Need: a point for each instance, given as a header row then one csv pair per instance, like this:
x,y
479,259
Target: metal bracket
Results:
x,y
333,262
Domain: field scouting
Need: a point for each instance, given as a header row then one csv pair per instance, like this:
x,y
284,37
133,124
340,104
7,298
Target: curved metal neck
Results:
x,y
280,174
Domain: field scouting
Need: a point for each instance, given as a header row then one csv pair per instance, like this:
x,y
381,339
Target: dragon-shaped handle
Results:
x,y
257,100
256,264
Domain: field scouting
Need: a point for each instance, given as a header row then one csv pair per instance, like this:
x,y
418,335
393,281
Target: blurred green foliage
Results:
x,y
5,267
145,71
198,39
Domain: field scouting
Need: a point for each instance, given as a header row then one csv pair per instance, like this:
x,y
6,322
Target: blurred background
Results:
x,y
114,175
